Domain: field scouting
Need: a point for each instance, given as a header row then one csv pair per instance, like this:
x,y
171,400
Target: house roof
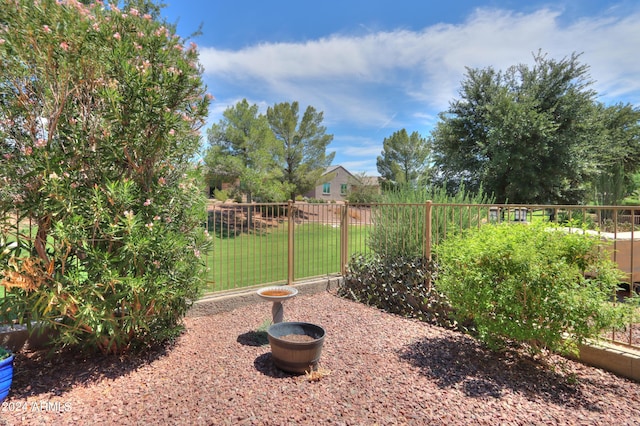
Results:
x,y
370,180
366,180
334,168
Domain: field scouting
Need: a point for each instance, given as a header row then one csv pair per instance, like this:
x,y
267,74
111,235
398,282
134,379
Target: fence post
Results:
x,y
427,238
631,263
344,238
290,246
427,229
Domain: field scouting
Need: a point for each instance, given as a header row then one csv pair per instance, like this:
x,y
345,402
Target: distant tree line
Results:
x,y
526,135
269,157
531,134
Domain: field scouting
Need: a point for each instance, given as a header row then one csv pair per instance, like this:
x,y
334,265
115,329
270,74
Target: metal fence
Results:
x,y
260,244
282,243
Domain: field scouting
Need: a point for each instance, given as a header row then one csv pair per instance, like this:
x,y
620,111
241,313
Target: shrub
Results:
x,y
99,116
576,220
362,190
365,197
530,285
399,222
398,285
221,195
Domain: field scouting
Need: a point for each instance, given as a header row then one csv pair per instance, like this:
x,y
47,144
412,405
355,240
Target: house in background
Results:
x,y
336,184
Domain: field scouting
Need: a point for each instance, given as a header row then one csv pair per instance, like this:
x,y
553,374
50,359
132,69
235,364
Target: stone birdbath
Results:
x,y
277,295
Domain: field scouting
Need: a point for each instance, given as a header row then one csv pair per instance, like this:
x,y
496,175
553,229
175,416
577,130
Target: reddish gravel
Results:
x,y
384,370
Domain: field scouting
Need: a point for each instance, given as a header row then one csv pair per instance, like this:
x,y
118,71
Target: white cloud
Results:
x,y
359,146
357,78
357,167
379,82
382,81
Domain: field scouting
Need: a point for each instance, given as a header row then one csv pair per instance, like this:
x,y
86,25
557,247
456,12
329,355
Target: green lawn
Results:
x,y
250,259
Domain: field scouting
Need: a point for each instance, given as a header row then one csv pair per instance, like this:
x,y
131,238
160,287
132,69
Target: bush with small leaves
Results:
x,y
531,285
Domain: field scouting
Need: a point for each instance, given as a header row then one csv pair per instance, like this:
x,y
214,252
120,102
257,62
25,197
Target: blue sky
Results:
x,y
374,67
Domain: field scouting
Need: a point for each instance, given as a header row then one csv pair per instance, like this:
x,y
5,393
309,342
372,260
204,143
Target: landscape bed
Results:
x,y
378,368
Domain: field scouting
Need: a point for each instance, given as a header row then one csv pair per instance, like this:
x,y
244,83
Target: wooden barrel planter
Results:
x,y
296,346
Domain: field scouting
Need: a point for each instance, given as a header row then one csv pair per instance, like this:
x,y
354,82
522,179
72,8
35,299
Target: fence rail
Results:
x,y
258,244
282,243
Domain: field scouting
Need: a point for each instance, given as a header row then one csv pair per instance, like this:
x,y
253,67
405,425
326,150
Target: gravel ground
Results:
x,y
383,369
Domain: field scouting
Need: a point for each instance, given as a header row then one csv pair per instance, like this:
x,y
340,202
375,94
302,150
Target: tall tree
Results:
x,y
243,150
525,135
304,146
404,158
618,154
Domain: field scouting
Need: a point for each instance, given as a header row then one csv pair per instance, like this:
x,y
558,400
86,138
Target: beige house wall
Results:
x,y
339,176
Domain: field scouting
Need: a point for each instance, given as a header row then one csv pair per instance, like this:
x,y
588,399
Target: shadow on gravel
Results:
x,y
461,362
253,338
36,374
264,364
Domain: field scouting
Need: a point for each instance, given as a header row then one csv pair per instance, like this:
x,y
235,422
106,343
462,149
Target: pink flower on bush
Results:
x,y
162,181
147,16
40,143
147,202
134,12
64,46
117,36
46,28
172,132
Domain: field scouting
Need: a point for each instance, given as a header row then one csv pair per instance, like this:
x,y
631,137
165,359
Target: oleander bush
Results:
x,y
400,285
99,116
529,285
